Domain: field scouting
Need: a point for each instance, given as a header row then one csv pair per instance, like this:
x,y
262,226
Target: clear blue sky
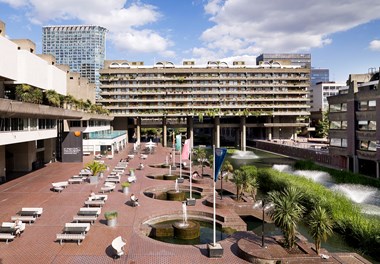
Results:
x,y
342,35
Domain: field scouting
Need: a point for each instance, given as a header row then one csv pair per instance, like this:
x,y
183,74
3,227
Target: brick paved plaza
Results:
x,y
37,244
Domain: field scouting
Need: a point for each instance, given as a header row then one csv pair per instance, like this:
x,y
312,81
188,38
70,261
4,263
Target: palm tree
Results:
x,y
96,167
227,168
287,212
250,183
200,155
320,226
53,98
29,94
238,179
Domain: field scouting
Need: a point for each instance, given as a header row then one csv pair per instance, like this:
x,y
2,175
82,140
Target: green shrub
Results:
x,y
110,215
359,230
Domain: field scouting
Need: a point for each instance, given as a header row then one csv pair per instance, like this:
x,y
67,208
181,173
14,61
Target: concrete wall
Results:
x,y
24,154
8,61
80,87
2,161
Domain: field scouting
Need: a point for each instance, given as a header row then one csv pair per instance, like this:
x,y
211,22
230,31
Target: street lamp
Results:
x,y
265,207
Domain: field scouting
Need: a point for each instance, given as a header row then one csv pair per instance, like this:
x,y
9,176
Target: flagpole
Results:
x,y
180,160
191,176
214,201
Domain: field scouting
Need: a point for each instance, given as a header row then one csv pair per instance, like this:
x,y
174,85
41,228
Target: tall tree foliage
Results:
x,y
287,212
320,226
322,127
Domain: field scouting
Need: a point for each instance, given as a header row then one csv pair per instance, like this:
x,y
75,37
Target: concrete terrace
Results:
x,y
37,244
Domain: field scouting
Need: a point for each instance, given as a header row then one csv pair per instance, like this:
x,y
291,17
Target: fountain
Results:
x,y
239,154
186,229
176,194
356,192
368,197
170,176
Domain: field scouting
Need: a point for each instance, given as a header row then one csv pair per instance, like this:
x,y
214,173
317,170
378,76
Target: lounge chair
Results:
x,y
118,246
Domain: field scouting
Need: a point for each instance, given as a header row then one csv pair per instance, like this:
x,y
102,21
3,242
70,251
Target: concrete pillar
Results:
x,y
243,131
2,164
190,130
164,132
348,163
217,131
377,170
138,129
269,129
356,164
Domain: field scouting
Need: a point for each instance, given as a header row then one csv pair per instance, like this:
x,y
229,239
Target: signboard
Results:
x,y
72,147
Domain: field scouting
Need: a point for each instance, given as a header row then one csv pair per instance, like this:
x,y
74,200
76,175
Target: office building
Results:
x,y
320,92
318,75
81,47
266,101
353,115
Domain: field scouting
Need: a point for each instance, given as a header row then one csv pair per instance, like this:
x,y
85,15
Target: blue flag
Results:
x,y
220,154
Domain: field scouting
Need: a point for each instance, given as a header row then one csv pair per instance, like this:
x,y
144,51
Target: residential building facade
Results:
x,y
81,47
246,102
354,115
300,59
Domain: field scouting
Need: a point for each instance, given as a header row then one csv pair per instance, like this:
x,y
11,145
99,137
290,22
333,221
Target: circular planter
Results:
x,y
173,195
189,231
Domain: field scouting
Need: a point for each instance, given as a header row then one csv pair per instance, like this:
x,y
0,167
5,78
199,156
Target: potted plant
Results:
x,y
125,186
96,168
111,218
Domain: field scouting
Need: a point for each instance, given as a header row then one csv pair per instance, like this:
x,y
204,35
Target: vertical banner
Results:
x,y
185,150
220,154
178,142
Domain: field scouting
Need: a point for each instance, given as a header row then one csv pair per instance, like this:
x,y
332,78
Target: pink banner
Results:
x,y
185,150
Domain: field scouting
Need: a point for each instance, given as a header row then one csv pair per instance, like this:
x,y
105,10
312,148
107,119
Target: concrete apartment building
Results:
x,y
32,133
223,103
354,115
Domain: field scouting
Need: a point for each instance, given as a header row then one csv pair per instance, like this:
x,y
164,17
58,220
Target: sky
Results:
x,y
341,35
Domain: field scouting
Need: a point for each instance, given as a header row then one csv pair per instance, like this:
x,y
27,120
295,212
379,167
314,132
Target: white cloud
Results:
x,y
127,23
248,26
375,45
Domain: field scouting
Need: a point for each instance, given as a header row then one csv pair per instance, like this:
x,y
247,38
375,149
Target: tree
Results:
x,y
238,179
250,182
287,212
200,155
53,98
320,226
226,168
28,94
96,167
322,127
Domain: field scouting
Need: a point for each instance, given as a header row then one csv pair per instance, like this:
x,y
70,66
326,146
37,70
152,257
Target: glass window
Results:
x,y
344,124
372,146
372,125
335,125
337,142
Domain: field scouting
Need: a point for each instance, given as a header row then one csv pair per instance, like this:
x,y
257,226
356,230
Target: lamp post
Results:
x,y
265,207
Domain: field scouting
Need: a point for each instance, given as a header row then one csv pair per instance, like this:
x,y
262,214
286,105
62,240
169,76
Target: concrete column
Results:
x,y
217,131
356,164
348,163
2,163
190,130
269,129
138,129
377,170
243,131
164,132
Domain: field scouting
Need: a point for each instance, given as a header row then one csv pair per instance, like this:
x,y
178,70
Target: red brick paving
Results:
x,y
38,245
